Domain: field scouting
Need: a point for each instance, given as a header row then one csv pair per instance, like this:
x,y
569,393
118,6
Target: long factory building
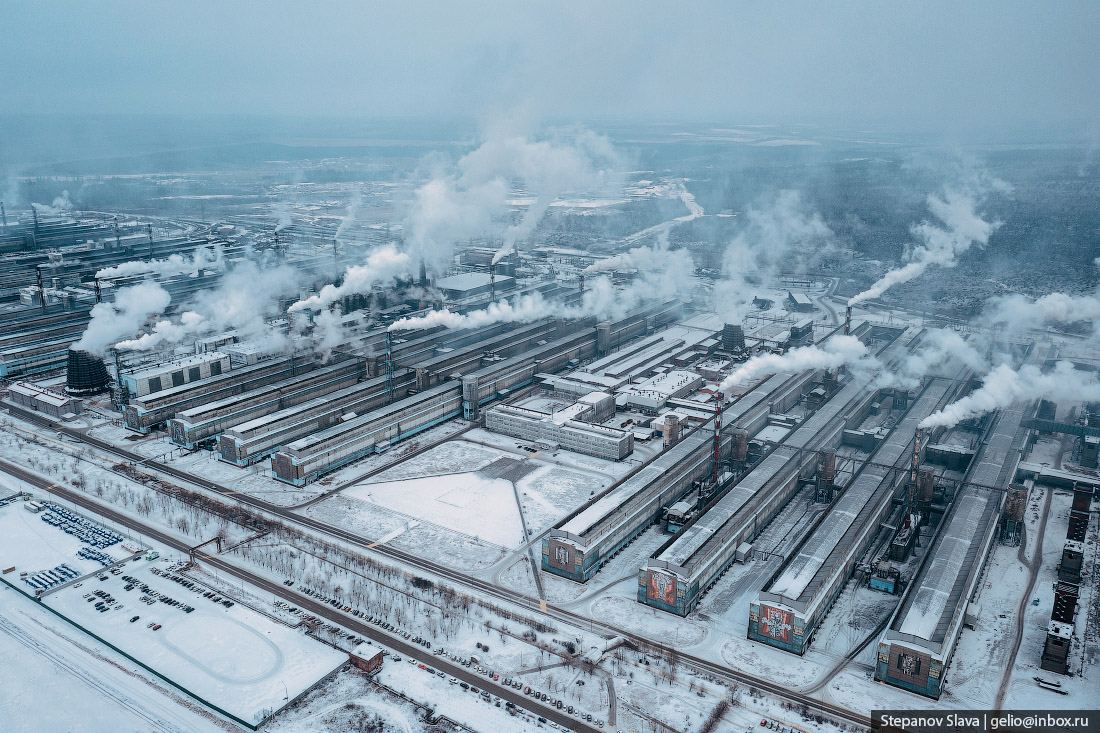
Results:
x,y
914,652
578,546
308,458
679,573
190,427
787,611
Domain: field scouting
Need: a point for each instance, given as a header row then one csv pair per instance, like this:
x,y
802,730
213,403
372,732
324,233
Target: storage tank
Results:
x,y
86,374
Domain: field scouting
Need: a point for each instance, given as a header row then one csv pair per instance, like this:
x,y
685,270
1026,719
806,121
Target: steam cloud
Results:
x,y
202,258
1004,386
468,201
838,351
647,259
384,265
284,218
244,300
663,274
60,205
122,317
1020,313
960,228
939,346
776,231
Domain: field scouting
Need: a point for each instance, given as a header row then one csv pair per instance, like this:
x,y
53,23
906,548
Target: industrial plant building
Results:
x,y
566,428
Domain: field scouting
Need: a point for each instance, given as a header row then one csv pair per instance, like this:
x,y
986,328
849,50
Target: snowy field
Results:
x,y
468,503
457,501
234,657
47,661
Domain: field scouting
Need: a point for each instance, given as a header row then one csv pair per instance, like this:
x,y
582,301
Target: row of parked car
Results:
x,y
95,556
319,622
84,529
151,597
49,578
103,600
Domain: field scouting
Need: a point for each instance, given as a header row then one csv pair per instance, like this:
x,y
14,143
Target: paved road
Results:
x,y
312,605
1033,567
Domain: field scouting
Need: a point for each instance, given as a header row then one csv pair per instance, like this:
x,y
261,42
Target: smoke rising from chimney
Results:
x,y
960,227
244,300
840,350
202,258
384,265
123,316
1004,386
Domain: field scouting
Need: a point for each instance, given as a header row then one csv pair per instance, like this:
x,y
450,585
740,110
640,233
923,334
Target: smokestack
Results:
x,y
492,282
34,212
149,231
719,397
918,440
41,289
3,215
423,274
848,320
335,254
98,295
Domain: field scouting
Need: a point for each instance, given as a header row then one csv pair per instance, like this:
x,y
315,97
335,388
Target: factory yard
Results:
x,y
424,500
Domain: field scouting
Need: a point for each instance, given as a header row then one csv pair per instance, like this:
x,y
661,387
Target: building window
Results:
x,y
192,374
154,384
215,369
177,378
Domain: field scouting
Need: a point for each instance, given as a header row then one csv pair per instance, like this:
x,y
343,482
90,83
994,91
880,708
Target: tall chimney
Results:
x,y
848,320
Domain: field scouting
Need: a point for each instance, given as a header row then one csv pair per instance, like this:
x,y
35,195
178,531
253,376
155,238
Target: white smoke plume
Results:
x,y
122,317
283,217
938,347
328,333
350,215
470,199
523,309
244,300
384,265
665,278
840,350
960,227
201,259
646,259
777,231
60,205
1018,313
1004,386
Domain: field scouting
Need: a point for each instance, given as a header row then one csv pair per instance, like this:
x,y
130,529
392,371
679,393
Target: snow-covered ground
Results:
x,y
56,678
467,503
449,503
233,657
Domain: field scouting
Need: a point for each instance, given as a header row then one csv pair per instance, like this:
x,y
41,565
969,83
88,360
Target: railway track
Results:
x,y
303,601
711,668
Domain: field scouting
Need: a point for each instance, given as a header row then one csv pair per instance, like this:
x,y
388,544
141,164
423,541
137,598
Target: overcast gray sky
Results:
x,y
955,64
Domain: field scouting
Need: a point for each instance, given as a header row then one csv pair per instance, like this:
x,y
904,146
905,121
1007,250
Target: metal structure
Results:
x,y
86,374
